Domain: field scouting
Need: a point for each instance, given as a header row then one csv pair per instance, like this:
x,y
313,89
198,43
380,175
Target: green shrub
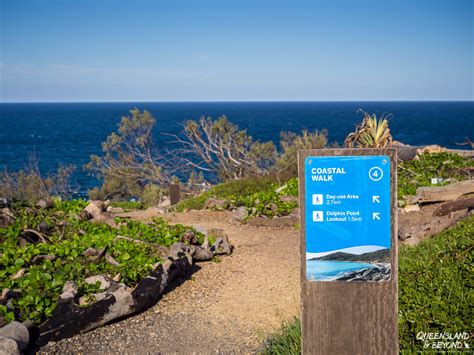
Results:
x,y
151,195
266,203
415,173
30,185
257,194
130,160
290,143
228,190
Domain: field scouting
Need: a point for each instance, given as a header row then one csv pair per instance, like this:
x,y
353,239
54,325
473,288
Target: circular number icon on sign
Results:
x,y
375,173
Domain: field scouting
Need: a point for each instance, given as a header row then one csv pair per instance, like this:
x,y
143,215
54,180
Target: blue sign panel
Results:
x,y
347,218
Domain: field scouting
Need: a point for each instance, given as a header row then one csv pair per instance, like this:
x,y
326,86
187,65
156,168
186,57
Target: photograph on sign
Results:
x,y
347,218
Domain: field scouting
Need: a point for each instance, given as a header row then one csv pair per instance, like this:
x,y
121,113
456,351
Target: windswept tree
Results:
x,y
218,147
29,184
467,142
131,164
291,142
371,133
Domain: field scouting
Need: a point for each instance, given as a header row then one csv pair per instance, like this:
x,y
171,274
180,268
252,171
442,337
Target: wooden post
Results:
x,y
174,194
340,317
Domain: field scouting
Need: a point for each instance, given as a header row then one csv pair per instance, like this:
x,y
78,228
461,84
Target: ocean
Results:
x,y
68,133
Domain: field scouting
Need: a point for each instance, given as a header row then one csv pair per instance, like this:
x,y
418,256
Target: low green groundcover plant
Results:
x,y
259,195
436,285
226,191
40,283
435,291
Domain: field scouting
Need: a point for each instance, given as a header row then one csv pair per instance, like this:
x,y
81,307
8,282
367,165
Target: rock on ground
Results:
x,y
14,337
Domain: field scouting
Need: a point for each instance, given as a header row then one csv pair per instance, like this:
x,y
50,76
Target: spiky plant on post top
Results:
x,y
371,133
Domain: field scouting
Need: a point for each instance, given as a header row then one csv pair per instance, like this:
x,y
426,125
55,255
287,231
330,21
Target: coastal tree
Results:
x,y
370,133
291,142
130,165
29,184
220,148
467,142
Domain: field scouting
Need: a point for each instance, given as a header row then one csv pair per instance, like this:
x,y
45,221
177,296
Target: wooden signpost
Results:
x,y
349,273
174,194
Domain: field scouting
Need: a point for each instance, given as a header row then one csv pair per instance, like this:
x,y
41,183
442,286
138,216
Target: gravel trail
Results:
x,y
223,307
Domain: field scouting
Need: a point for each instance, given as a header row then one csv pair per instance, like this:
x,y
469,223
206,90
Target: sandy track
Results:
x,y
224,307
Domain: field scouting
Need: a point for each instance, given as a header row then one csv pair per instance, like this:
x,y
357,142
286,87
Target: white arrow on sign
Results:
x,y
376,215
375,199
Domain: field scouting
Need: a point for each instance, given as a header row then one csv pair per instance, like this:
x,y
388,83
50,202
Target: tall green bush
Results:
x,y
130,161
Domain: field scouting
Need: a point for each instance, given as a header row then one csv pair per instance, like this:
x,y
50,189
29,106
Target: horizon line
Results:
x,y
229,101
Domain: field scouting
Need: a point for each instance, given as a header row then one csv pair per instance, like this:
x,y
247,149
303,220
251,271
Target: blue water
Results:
x,y
323,270
69,133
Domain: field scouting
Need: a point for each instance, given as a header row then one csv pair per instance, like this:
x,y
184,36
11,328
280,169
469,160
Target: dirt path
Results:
x,y
225,307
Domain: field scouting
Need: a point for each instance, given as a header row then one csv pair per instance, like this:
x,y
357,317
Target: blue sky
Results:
x,y
109,50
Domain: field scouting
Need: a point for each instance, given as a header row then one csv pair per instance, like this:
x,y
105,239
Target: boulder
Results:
x,y
430,149
84,216
430,194
165,202
110,259
214,203
20,273
17,332
69,291
405,152
189,237
32,236
97,211
411,208
105,282
95,208
111,209
45,228
45,203
9,346
92,252
289,199
295,213
6,217
38,259
88,300
273,207
240,213
69,318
